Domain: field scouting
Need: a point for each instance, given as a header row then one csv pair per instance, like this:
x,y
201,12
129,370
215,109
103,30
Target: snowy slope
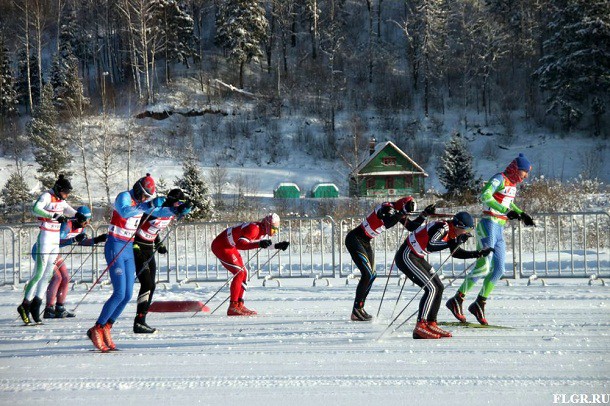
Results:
x,y
303,350
159,149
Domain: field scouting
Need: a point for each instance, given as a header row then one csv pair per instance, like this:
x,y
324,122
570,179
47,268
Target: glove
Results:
x,y
161,249
484,252
430,209
282,245
60,218
513,215
462,238
409,207
80,237
157,201
387,212
527,219
264,243
184,208
100,238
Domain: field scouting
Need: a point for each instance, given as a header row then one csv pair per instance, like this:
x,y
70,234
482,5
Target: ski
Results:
x,y
472,325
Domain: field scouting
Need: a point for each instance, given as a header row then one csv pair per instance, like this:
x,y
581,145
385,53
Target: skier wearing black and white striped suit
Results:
x,y
410,259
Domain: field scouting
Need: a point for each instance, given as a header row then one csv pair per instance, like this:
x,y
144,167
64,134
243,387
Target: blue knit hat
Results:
x,y
522,163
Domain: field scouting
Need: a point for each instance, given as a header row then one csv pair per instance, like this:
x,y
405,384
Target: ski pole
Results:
x,y
227,282
113,260
448,284
390,272
84,260
250,277
413,298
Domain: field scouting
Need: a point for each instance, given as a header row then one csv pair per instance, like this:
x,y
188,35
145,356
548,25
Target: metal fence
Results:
x,y
562,245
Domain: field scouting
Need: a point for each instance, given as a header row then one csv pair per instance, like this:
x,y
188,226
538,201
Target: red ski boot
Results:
x,y
238,309
421,331
432,326
249,312
108,337
96,334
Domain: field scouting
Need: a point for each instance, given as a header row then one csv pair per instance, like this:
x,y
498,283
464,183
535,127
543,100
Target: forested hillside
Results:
x,y
68,68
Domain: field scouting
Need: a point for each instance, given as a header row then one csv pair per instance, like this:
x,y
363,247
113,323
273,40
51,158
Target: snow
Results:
x,y
303,350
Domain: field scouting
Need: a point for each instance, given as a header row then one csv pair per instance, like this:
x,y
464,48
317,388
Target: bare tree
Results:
x,y
218,177
24,7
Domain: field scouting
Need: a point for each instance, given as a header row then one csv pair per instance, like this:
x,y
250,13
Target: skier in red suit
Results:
x,y
245,236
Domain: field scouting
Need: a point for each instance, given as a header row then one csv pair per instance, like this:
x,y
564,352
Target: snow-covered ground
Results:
x,y
303,350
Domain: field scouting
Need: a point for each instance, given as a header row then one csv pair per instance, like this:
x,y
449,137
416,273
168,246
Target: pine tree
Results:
x,y
15,192
576,57
193,185
66,82
21,85
455,170
241,28
8,94
176,27
50,149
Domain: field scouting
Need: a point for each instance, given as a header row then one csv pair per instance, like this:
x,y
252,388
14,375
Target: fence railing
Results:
x,y
561,245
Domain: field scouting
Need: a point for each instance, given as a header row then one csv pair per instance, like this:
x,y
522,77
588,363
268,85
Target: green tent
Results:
x,y
287,190
325,190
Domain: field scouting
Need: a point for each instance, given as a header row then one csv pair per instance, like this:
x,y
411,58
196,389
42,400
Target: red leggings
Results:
x,y
58,287
231,259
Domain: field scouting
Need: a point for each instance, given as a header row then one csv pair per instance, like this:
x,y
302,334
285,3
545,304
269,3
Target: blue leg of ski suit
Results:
x,y
122,275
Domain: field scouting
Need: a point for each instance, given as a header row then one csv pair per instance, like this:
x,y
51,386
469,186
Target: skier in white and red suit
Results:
x,y
358,243
411,260
245,236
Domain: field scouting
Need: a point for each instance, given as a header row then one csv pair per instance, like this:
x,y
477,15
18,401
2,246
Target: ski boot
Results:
x,y
238,309
24,311
107,337
49,312
432,326
249,312
140,326
359,314
455,306
96,335
421,331
61,312
35,310
477,308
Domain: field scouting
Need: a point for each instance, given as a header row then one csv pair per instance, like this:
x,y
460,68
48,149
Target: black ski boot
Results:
x,y
140,326
359,314
61,312
49,312
24,311
455,306
35,309
477,308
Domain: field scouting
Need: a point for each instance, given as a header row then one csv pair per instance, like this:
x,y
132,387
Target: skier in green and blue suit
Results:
x,y
497,198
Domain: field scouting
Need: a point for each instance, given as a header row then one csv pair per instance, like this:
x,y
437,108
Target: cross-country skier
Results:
x,y
497,198
411,260
129,207
146,242
358,243
52,210
245,236
72,231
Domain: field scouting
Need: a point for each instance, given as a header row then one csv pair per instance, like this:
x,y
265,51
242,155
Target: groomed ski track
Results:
x,y
303,350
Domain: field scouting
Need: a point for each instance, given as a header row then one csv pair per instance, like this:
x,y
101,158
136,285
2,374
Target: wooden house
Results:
x,y
387,171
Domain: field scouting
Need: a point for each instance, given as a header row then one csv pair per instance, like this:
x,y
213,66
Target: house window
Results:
x,y
389,182
370,183
408,181
389,161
